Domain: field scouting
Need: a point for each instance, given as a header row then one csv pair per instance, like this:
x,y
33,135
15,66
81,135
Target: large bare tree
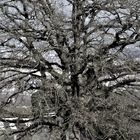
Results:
x,y
77,61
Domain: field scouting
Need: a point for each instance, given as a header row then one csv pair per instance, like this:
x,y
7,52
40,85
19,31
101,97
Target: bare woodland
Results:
x,y
74,61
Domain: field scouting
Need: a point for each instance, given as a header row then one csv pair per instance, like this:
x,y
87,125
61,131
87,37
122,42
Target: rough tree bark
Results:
x,y
72,56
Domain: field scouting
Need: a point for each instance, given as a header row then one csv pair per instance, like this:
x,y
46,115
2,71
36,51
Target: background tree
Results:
x,y
74,58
